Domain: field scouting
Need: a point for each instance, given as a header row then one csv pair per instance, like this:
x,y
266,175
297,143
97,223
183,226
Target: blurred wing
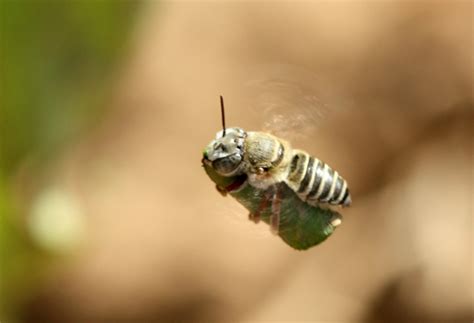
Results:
x,y
291,101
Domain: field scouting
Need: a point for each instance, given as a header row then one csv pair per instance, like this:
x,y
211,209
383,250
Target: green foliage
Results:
x,y
20,263
55,58
56,65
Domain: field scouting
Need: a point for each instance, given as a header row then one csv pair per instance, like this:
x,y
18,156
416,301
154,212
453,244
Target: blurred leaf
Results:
x,y
56,57
56,65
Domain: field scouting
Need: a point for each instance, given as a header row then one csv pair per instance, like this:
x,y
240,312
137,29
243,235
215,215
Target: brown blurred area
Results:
x,y
160,243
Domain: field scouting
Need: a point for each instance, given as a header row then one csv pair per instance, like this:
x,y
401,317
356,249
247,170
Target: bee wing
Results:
x,y
289,101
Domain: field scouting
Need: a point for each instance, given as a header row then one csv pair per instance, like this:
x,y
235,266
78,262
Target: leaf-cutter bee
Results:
x,y
273,170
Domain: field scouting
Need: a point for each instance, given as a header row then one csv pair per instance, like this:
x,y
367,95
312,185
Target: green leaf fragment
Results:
x,y
302,226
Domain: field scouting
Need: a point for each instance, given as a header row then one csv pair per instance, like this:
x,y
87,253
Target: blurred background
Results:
x,y
106,213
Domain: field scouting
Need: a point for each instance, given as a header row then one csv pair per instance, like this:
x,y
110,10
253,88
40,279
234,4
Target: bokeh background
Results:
x,y
106,213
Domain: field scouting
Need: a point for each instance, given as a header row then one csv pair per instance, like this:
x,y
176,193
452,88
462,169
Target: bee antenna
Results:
x,y
223,116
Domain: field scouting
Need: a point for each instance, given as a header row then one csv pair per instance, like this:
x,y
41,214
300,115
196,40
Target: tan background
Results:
x,y
380,91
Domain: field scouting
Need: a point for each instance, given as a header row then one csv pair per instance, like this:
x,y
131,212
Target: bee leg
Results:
x,y
276,208
255,217
221,190
262,206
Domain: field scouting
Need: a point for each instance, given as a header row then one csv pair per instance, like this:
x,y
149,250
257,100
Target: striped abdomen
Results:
x,y
315,182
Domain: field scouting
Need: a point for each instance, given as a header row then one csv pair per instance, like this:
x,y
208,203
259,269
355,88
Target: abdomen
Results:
x,y
315,182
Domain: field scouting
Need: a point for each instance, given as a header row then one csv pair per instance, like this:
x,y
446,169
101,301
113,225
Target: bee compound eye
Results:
x,y
220,147
228,164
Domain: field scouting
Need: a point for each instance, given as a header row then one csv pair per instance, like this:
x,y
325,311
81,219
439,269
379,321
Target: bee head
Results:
x,y
226,152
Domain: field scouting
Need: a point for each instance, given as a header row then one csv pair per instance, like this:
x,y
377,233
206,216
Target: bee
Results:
x,y
271,166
